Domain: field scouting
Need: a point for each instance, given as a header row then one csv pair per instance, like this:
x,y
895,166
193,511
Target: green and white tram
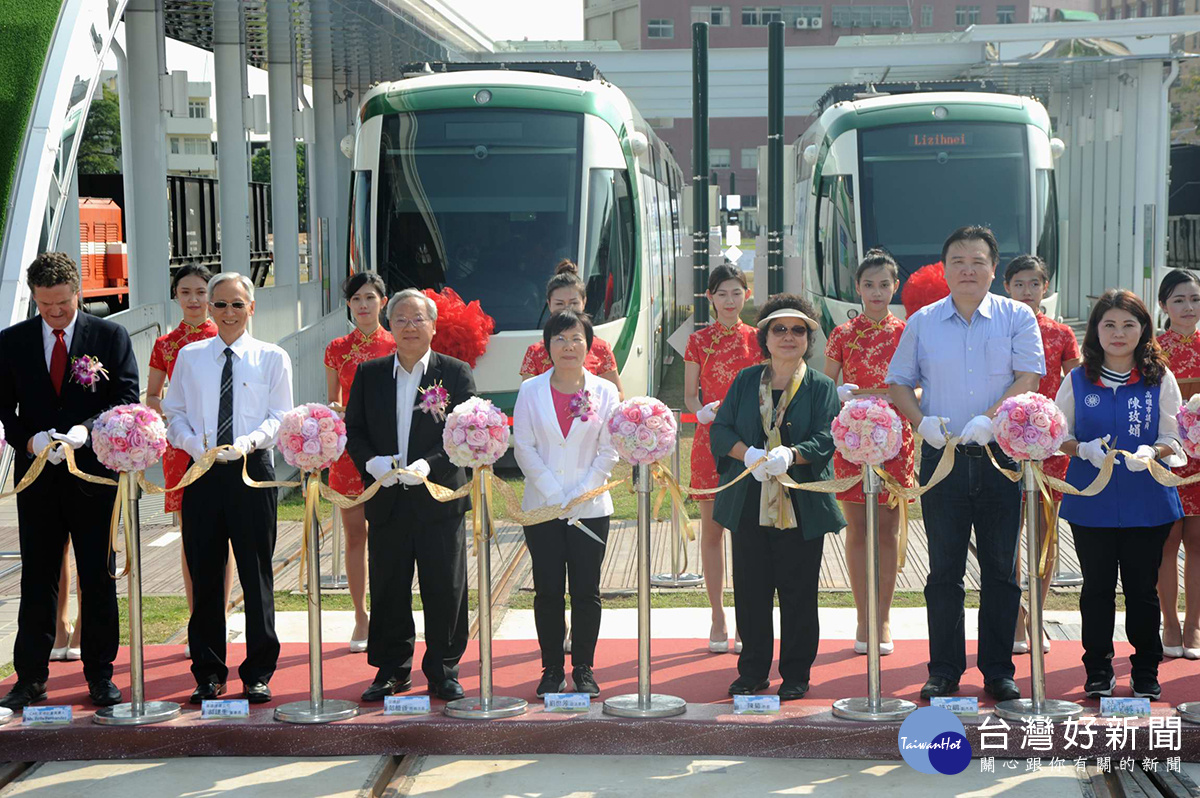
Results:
x,y
482,178
903,170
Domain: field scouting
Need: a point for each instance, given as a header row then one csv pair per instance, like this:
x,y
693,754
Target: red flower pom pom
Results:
x,y
463,330
924,287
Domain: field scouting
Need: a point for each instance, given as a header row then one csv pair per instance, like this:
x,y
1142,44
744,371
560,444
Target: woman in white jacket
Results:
x,y
564,449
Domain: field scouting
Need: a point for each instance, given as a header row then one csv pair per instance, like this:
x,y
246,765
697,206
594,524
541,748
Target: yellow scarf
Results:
x,y
775,504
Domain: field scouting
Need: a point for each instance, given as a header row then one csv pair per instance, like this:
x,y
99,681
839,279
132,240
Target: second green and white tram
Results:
x,y
903,170
483,178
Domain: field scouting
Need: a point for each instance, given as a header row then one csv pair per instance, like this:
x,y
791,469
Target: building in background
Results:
x,y
189,134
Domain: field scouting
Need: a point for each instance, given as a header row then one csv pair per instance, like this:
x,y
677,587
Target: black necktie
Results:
x,y
225,409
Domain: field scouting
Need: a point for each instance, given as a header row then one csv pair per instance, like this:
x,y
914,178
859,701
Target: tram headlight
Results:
x,y
940,112
483,96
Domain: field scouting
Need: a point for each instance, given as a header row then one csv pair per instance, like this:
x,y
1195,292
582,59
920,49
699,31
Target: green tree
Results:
x,y
100,147
260,172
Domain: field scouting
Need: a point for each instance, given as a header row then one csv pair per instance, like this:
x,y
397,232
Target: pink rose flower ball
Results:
x,y
476,434
311,437
1189,426
868,431
129,438
1029,427
643,430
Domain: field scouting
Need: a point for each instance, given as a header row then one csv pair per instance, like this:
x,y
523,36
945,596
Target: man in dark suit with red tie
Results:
x,y
42,400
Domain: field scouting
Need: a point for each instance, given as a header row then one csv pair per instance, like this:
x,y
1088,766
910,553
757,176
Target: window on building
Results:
x,y
966,15
198,109
761,16
871,17
1039,14
718,158
1006,15
750,158
174,145
793,13
717,16
926,16
660,29
197,146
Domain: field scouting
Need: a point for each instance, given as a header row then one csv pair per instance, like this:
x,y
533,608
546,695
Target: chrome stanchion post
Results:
x,y
644,704
1037,706
485,706
316,709
676,578
874,706
137,711
336,580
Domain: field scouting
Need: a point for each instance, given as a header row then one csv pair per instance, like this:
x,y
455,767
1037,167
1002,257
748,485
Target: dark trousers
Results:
x,y
767,560
218,510
558,551
1137,552
438,551
975,495
57,506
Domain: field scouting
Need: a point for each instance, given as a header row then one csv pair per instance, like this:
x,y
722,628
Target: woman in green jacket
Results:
x,y
780,411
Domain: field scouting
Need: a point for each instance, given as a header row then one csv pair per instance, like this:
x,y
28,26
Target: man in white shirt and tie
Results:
x,y
406,526
230,390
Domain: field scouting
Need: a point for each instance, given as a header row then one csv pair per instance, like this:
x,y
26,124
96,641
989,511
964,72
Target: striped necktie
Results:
x,y
225,408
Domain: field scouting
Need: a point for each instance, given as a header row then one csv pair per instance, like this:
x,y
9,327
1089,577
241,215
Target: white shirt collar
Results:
x,y
424,362
239,347
68,331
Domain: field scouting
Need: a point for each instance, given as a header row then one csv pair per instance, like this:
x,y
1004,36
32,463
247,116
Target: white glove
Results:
x,y
1092,451
708,413
930,429
978,430
421,467
779,460
193,445
75,437
229,455
1140,461
44,439
244,444
846,391
378,466
754,454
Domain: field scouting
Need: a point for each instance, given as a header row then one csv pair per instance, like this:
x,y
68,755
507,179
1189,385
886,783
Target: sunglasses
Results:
x,y
782,329
221,304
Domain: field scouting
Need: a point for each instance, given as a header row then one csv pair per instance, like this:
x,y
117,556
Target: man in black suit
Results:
x,y
405,524
41,401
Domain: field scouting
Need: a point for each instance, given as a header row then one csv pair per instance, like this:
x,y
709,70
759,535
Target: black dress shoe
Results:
x,y
1146,687
792,690
207,691
585,680
554,680
939,685
257,692
23,694
1002,689
747,685
1100,685
103,693
447,689
382,688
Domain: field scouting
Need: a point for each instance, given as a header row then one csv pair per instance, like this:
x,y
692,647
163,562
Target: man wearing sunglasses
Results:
x,y
232,391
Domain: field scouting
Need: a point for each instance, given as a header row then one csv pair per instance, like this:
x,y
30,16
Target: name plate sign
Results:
x,y
965,705
1124,707
756,705
406,705
46,716
568,702
225,708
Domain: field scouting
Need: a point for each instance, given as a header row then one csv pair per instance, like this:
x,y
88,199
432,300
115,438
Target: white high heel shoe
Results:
x,y
1172,652
63,654
860,647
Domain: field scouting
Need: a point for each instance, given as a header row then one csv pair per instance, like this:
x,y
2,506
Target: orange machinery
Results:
x,y
104,260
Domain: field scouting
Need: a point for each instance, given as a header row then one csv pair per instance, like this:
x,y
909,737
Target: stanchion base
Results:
x,y
122,714
1190,711
5,715
860,709
501,706
307,712
1067,579
677,580
1052,708
630,706
340,583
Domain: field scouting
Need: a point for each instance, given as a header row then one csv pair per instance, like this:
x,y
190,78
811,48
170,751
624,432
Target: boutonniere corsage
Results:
x,y
88,371
434,400
580,406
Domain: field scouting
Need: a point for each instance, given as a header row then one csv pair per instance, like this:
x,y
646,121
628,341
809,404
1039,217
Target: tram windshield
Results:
x,y
485,201
921,182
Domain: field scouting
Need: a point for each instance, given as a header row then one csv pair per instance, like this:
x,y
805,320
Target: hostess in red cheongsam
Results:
x,y
1183,351
865,348
1060,345
343,356
721,352
166,348
599,360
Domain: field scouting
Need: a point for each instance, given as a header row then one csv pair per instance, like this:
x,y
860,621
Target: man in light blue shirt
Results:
x,y
968,352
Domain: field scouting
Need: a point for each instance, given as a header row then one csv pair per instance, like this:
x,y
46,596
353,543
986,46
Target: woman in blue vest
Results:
x,y
1123,396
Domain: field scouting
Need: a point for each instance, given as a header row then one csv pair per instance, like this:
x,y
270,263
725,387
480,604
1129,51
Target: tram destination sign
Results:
x,y
941,139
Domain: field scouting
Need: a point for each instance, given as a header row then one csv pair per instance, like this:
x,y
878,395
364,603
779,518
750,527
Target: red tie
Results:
x,y
58,361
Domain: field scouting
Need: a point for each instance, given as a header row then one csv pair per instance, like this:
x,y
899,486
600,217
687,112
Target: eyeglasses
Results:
x,y
782,329
221,304
562,340
400,323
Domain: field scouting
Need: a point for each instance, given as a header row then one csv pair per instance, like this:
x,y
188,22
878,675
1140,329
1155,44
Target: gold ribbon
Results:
x,y
120,508
312,499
